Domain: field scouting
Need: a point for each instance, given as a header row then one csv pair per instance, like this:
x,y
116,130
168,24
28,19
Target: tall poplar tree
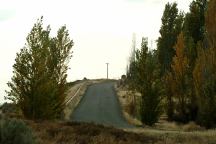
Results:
x,y
194,33
172,22
205,72
178,78
194,28
39,75
148,84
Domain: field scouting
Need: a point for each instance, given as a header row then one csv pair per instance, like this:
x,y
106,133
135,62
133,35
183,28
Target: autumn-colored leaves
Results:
x,y
193,80
186,60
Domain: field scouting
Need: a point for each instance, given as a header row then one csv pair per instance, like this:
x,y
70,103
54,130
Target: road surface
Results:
x,y
101,106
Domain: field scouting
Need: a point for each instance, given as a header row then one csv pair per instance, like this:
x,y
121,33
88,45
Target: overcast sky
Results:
x,y
101,30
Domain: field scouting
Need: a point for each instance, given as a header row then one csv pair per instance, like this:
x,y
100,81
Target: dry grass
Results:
x,y
179,137
166,132
82,133
55,132
48,132
192,126
126,103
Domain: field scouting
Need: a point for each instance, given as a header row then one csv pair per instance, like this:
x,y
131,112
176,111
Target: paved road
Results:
x,y
101,106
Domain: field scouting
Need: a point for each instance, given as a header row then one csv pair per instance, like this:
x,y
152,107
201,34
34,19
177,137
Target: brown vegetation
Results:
x,y
165,131
82,133
48,132
126,99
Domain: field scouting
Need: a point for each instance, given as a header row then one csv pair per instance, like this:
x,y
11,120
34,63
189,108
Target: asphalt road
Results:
x,y
101,106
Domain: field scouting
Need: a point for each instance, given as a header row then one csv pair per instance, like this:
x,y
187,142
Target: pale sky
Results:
x,y
101,30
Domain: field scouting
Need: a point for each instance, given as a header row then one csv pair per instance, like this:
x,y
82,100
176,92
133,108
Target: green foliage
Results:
x,y
194,29
15,132
172,22
205,71
131,75
9,108
131,80
148,84
187,67
131,70
194,25
185,108
39,78
205,84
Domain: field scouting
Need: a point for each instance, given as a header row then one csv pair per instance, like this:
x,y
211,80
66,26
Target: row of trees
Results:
x,y
39,77
180,75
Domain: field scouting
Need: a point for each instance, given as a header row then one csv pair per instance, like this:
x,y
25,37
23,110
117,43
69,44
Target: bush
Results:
x,y
192,126
9,108
15,131
131,108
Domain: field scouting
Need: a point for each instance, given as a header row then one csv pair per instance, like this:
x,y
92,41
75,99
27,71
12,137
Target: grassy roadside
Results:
x,y
48,132
166,132
63,132
125,100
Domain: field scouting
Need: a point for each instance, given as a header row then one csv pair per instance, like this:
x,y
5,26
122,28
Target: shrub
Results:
x,y
9,108
131,108
192,126
15,131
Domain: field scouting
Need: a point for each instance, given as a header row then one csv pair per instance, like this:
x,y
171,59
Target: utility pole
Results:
x,y
107,69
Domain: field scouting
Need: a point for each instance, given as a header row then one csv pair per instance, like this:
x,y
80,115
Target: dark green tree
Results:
x,y
194,28
172,22
39,76
194,25
131,74
194,32
148,84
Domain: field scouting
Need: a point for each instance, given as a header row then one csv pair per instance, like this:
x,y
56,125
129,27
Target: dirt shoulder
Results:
x,y
125,99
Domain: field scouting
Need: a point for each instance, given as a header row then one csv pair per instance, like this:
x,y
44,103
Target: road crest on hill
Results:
x,y
100,105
